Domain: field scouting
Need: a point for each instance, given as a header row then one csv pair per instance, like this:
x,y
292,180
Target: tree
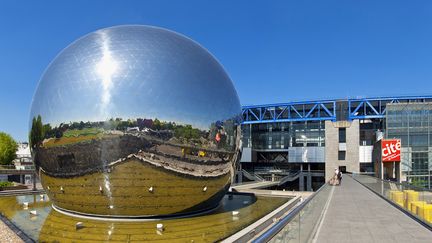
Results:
x,y
8,148
418,182
157,124
47,131
36,132
81,125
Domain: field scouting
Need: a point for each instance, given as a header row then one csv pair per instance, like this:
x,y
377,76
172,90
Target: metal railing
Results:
x,y
17,167
290,177
17,170
414,201
299,225
253,177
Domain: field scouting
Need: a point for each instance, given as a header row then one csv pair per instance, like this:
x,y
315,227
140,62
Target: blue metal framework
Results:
x,y
370,108
287,112
364,108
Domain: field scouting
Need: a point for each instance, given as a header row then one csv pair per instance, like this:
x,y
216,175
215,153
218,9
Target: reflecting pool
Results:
x,y
235,212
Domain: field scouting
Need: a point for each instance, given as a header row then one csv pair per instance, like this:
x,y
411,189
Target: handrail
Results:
x,y
277,227
19,167
418,188
399,207
290,177
254,176
260,178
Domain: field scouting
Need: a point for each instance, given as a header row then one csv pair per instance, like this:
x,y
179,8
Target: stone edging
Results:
x,y
23,236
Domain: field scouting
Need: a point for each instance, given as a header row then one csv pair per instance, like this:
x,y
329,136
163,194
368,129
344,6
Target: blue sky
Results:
x,y
274,51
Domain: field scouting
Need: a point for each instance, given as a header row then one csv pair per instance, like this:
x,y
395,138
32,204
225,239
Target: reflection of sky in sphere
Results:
x,y
135,72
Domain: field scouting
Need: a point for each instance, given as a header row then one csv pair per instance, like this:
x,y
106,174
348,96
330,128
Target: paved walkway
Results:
x,y
7,235
355,214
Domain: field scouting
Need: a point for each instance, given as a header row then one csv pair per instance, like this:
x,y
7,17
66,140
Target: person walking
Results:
x,y
340,177
335,177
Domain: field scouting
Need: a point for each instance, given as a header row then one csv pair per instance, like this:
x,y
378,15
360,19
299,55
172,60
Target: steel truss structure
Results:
x,y
286,112
362,108
376,107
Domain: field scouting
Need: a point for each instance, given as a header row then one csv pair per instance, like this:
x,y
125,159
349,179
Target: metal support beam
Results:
x,y
363,108
294,111
375,108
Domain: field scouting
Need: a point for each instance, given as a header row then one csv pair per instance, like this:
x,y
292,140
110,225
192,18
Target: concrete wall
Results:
x,y
332,147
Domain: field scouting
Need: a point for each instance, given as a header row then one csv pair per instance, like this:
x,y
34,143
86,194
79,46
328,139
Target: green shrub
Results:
x,y
5,183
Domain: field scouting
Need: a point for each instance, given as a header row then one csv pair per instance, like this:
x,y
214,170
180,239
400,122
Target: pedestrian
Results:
x,y
335,177
340,177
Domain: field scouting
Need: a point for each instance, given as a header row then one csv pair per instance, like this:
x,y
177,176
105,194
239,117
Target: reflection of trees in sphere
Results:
x,y
124,123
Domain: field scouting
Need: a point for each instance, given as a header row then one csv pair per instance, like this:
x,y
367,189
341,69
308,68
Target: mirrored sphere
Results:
x,y
135,121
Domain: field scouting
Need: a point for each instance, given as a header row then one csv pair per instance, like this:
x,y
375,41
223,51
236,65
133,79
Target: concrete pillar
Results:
x,y
309,179
301,182
301,179
352,158
239,174
240,177
34,181
398,171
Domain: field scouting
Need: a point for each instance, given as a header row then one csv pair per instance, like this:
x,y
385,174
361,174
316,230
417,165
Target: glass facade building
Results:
x,y
412,123
285,134
315,137
295,141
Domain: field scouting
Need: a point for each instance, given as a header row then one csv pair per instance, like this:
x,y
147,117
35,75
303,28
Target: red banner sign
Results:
x,y
390,150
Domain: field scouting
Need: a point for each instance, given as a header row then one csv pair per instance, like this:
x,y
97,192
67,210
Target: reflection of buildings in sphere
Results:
x,y
106,157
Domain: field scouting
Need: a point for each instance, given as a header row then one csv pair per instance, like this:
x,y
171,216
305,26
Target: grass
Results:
x,y
75,136
68,140
82,132
53,142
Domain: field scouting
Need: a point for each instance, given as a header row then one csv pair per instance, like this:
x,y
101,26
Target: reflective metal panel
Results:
x,y
135,121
